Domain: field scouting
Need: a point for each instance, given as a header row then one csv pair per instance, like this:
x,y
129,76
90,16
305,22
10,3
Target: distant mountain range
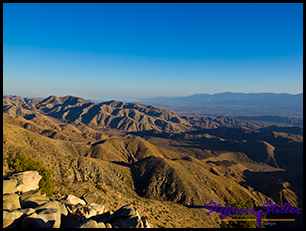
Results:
x,y
249,99
112,114
234,104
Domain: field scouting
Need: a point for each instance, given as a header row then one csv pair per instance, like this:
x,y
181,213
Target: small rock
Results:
x,y
32,203
49,205
93,197
73,208
11,202
98,208
70,199
9,186
86,211
108,225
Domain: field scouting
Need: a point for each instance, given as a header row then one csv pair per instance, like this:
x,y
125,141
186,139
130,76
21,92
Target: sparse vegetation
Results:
x,y
23,163
100,188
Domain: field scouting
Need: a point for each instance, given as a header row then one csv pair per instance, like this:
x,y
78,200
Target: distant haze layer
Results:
x,y
233,104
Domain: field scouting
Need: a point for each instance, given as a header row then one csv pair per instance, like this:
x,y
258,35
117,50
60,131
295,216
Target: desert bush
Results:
x,y
100,188
22,163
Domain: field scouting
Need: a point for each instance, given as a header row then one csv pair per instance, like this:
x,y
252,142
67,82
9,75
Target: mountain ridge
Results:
x,y
114,114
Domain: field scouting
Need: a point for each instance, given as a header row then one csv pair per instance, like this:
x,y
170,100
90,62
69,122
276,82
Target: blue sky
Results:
x,y
138,51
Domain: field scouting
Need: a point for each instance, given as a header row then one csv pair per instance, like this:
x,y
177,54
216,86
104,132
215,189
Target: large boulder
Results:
x,y
26,181
11,202
33,195
32,199
49,205
9,186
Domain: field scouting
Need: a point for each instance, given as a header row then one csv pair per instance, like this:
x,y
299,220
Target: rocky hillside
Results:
x,y
129,168
168,166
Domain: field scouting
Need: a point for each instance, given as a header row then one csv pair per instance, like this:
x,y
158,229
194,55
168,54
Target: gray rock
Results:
x,y
46,218
51,214
85,211
54,205
70,199
49,205
32,203
9,186
74,208
93,197
11,202
98,208
63,209
27,211
26,181
12,219
33,195
32,199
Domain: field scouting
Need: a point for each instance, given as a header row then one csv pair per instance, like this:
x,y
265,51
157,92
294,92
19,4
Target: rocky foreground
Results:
x,y
25,207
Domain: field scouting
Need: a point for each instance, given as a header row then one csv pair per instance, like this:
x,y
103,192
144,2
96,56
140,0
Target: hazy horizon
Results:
x,y
143,51
141,99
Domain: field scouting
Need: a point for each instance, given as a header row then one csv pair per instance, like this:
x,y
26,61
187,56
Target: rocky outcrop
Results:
x,y
26,181
26,207
9,186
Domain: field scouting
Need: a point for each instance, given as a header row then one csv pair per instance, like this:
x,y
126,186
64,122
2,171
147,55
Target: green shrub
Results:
x,y
22,163
100,188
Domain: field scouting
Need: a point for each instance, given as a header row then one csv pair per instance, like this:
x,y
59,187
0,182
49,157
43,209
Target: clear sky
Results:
x,y
138,51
